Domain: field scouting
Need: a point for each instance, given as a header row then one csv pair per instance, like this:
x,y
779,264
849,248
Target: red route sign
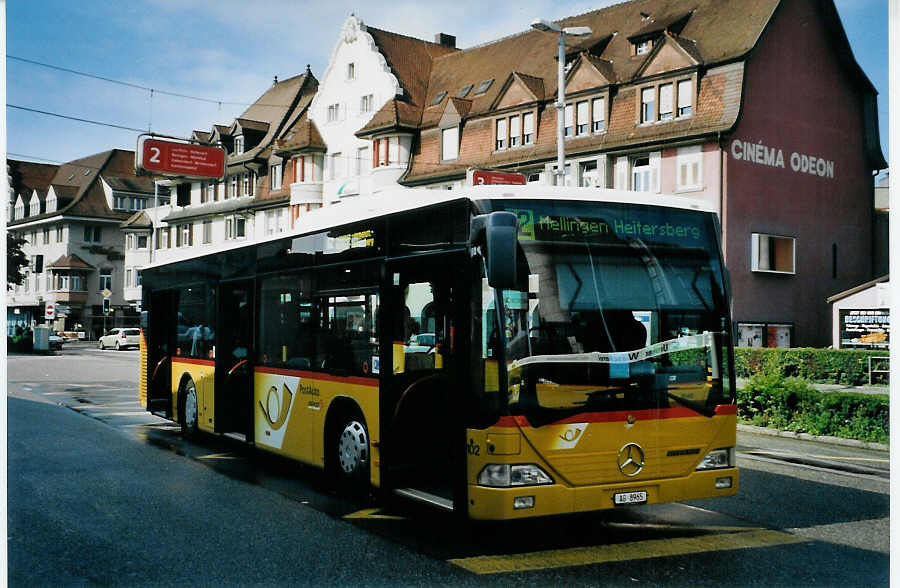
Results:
x,y
171,158
483,178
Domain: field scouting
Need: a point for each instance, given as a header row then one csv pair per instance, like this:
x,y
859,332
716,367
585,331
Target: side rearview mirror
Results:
x,y
498,232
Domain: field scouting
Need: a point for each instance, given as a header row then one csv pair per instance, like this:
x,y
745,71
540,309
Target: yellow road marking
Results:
x,y
372,513
220,456
580,556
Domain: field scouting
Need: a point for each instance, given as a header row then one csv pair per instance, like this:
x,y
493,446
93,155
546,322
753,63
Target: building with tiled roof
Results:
x,y
248,202
69,216
757,108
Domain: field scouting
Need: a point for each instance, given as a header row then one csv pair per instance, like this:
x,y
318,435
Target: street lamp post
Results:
x,y
547,26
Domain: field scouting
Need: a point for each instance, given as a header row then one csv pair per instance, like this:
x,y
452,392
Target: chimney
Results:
x,y
275,82
445,40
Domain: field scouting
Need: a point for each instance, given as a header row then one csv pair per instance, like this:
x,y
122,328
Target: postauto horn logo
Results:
x,y
277,407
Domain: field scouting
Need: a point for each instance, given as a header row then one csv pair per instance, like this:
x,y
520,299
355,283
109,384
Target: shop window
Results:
x,y
765,334
773,254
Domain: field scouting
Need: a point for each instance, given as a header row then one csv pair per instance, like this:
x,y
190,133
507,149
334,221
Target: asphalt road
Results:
x,y
100,492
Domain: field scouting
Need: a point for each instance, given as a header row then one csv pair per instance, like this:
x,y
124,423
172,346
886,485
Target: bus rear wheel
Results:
x,y
349,453
188,403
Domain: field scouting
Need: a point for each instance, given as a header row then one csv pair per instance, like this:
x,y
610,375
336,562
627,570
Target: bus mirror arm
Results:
x,y
498,231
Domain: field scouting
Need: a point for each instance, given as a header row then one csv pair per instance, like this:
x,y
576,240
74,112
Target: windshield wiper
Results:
x,y
695,406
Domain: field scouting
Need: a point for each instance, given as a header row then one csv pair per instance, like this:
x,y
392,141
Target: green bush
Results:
x,y
833,366
791,404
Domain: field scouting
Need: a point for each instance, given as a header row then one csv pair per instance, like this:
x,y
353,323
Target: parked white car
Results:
x,y
120,338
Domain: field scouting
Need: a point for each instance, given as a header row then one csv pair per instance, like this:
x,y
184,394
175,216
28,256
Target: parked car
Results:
x,y
120,338
56,342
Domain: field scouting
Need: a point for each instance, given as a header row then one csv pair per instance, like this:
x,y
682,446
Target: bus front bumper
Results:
x,y
556,499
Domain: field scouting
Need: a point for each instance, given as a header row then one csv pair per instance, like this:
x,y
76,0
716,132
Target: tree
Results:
x,y
16,261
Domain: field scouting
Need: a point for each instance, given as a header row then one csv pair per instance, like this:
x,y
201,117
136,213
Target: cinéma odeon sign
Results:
x,y
803,163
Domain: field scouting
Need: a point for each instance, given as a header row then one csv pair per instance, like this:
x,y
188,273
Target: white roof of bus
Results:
x,y
403,199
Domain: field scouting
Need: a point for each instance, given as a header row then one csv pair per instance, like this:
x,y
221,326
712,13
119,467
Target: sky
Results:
x,y
228,52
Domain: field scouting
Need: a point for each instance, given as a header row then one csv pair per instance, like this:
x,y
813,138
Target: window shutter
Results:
x,y
655,163
685,89
665,99
622,173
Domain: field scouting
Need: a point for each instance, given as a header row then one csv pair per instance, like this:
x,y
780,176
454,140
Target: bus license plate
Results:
x,y
630,497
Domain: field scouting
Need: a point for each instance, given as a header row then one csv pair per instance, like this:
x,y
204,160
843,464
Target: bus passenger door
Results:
x,y
233,393
421,404
160,342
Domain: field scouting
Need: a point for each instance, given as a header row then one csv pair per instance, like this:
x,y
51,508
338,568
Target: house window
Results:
x,y
665,102
239,145
643,47
351,71
362,162
210,192
91,234
483,86
35,208
648,104
588,174
240,227
142,241
184,236
105,280
581,118
334,112
528,128
336,167
367,103
438,97
598,114
689,163
129,241
162,238
685,97
515,130
772,254
234,186
59,234
449,143
501,134
275,176
569,120
119,202
642,175
128,278
207,232
245,184
46,235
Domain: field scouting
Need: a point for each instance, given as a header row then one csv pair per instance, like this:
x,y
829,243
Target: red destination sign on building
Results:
x,y
172,158
482,177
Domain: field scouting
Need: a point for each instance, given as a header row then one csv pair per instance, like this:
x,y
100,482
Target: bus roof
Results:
x,y
402,199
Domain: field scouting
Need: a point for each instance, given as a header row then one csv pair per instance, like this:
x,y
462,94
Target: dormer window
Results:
x,y
643,47
351,71
666,101
515,130
438,97
239,145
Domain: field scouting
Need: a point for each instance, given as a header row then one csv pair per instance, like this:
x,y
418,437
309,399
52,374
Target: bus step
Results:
x,y
236,437
422,496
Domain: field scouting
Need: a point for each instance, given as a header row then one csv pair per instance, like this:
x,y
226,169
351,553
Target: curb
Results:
x,y
817,438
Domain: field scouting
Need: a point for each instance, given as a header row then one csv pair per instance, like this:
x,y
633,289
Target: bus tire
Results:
x,y
349,452
187,405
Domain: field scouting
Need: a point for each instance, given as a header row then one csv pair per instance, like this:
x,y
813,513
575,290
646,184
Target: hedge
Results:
x,y
791,404
834,366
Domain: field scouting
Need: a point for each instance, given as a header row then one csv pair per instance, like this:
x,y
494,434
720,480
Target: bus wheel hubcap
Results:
x,y
353,447
190,407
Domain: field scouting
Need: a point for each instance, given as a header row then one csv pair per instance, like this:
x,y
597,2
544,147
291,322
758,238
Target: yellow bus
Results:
x,y
500,352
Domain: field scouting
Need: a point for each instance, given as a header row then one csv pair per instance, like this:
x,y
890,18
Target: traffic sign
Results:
x,y
106,293
483,177
178,159
49,311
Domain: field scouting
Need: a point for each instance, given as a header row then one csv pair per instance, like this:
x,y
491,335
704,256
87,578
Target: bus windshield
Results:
x,y
619,307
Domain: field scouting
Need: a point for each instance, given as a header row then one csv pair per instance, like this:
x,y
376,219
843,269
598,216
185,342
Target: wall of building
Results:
x,y
796,167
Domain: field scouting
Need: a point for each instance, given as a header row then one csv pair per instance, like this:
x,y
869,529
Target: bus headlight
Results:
x,y
718,459
496,475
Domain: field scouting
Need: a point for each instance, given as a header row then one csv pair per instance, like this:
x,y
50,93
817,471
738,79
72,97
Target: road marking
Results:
x,y
220,456
834,457
373,513
581,556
